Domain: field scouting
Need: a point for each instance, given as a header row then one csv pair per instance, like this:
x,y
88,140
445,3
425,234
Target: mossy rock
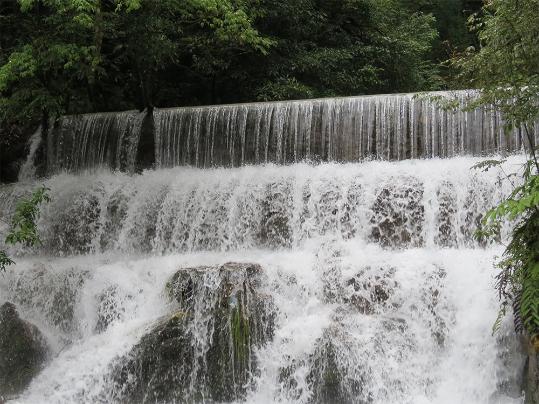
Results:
x,y
326,377
23,351
204,352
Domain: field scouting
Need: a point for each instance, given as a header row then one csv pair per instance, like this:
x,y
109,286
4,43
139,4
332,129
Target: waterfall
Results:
x,y
304,283
383,127
80,142
27,171
351,129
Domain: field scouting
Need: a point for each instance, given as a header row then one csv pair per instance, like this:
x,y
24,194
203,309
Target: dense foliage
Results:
x,y
24,224
68,56
506,69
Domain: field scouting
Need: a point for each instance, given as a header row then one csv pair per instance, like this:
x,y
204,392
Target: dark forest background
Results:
x,y
74,56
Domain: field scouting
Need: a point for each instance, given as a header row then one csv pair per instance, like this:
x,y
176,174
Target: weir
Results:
x,y
89,141
352,129
342,276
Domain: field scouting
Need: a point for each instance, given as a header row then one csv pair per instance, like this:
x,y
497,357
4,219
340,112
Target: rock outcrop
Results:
x,y
23,351
399,214
531,371
205,350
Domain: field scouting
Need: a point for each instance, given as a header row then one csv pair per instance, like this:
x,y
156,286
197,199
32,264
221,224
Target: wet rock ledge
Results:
x,y
204,351
23,352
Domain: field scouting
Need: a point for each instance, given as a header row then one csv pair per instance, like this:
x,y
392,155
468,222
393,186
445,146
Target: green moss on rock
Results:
x,y
205,350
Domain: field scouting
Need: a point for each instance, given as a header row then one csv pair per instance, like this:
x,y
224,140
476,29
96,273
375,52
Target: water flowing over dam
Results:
x,y
95,140
216,278
352,129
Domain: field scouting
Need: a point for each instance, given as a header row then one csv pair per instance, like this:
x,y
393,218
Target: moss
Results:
x,y
204,350
240,335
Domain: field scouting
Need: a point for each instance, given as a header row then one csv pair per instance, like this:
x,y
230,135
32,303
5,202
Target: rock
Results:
x,y
146,144
531,371
115,215
205,350
328,378
447,210
370,289
23,351
432,297
144,229
52,294
350,224
275,227
511,356
327,373
478,200
399,214
77,224
326,210
109,309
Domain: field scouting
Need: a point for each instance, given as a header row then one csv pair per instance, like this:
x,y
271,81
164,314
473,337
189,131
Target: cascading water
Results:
x,y
385,127
80,142
28,169
352,129
329,283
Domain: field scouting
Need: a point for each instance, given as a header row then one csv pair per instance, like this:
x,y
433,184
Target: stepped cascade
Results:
x,y
328,279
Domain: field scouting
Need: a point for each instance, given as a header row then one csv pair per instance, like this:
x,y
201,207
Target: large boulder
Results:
x,y
23,351
205,350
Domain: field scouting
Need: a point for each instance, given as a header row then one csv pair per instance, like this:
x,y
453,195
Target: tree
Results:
x,y
166,47
506,70
24,224
69,56
338,48
73,55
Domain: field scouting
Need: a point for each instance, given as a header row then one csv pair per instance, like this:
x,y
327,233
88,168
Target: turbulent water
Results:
x,y
379,292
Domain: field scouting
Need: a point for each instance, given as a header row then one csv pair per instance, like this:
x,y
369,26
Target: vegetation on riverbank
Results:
x,y
506,69
24,224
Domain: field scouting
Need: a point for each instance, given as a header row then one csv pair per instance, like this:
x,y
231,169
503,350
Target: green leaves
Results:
x,y
505,69
519,269
23,225
529,308
486,165
5,261
506,66
20,65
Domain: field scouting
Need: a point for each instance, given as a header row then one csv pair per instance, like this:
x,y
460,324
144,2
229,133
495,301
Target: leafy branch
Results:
x,y
24,224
